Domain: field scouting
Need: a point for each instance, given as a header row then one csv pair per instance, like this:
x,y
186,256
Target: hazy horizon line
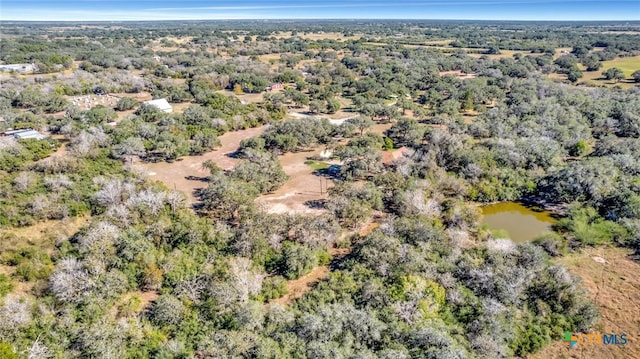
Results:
x,y
326,19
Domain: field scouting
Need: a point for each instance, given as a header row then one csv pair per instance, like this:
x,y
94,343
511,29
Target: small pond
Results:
x,y
522,223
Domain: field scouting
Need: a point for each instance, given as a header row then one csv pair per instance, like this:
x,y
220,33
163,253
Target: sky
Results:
x,y
118,10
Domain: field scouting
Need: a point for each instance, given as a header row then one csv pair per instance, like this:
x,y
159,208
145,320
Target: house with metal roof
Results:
x,y
161,104
24,134
22,68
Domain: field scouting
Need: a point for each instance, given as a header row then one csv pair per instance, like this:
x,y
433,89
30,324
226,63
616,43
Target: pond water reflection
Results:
x,y
522,223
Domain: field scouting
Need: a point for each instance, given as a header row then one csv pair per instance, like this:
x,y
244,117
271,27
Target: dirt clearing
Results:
x,y
303,185
175,175
245,98
611,277
459,74
319,36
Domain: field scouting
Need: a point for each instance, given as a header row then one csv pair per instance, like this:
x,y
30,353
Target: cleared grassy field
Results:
x,y
319,36
42,235
473,52
273,60
503,54
627,64
245,97
594,78
561,51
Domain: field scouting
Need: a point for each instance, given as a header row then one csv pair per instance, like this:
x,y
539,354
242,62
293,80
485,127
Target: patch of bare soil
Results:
x,y
140,96
380,127
245,98
302,186
299,286
180,107
611,277
184,174
126,307
124,114
459,74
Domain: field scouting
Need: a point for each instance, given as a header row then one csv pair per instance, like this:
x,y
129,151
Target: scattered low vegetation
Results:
x,y
150,276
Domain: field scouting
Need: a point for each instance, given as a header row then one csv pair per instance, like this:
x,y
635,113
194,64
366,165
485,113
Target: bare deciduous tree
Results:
x,y
150,199
113,191
408,311
191,288
120,214
38,350
14,312
22,182
70,282
8,143
87,141
41,206
58,182
99,238
168,310
244,279
129,148
175,200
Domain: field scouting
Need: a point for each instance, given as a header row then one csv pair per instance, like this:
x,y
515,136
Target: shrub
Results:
x,y
32,270
552,243
168,310
586,226
5,287
6,351
297,260
32,264
126,103
273,287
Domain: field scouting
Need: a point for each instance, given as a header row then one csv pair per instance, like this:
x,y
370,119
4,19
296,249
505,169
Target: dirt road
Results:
x,y
298,287
175,175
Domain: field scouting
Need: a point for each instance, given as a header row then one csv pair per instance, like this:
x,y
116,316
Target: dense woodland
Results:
x,y
428,282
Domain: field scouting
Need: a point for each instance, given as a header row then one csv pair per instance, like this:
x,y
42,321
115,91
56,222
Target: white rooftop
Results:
x,y
162,104
17,67
25,134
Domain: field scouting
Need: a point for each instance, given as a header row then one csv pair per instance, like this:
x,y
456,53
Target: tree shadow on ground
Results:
x,y
333,172
197,178
316,203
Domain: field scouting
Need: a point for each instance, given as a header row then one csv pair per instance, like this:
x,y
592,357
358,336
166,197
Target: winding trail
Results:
x,y
298,287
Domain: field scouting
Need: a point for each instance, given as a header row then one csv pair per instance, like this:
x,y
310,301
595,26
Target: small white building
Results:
x,y
162,104
22,68
24,134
